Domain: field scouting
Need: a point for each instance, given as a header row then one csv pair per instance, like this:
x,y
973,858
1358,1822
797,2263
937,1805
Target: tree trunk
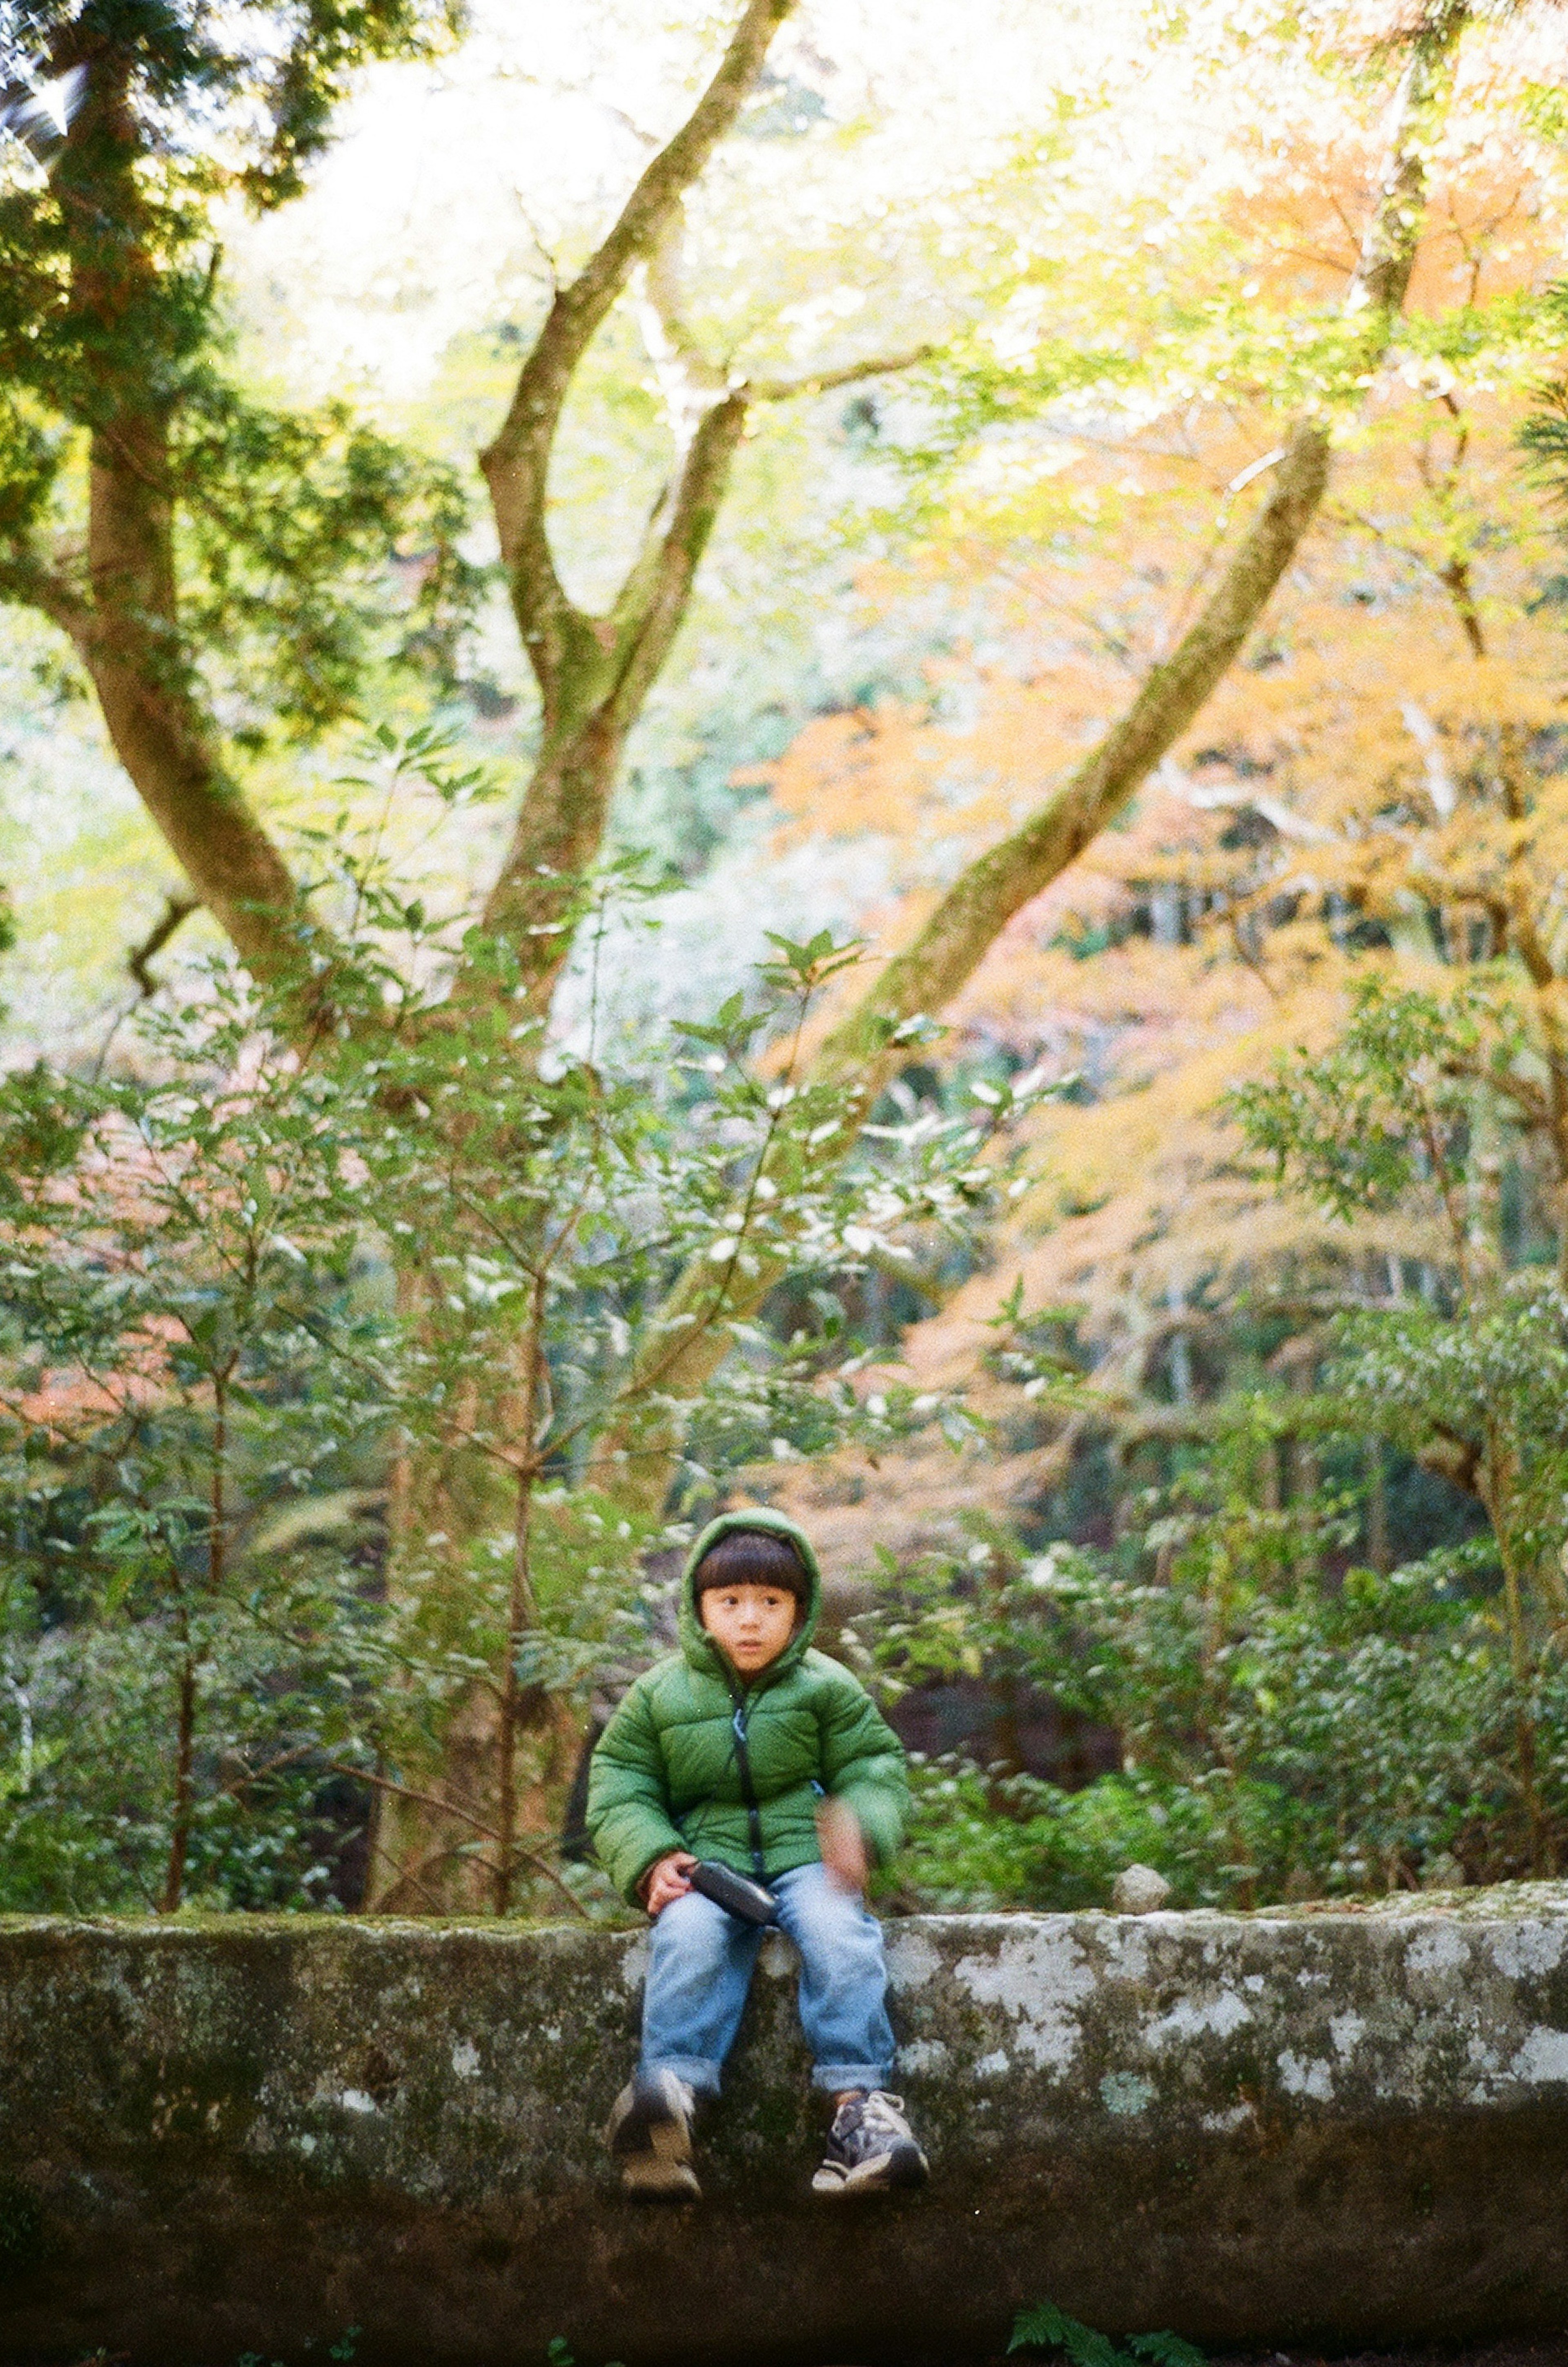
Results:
x,y
131,645
594,675
127,629
184,1760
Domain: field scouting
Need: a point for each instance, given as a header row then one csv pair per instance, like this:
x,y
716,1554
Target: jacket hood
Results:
x,y
697,1645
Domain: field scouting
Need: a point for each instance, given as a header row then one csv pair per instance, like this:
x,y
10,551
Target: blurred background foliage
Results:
x,y
1193,1481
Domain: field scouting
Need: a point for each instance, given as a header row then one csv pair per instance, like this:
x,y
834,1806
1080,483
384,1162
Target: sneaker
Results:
x,y
649,2137
871,2148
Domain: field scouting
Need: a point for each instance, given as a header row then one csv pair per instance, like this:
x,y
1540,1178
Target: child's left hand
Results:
x,y
842,1845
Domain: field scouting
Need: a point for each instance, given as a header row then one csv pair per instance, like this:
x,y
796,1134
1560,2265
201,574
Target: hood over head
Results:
x,y
698,1646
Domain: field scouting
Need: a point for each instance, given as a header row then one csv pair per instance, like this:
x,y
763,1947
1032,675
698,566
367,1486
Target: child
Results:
x,y
747,1747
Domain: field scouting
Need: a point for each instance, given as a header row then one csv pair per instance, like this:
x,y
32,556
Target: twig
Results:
x,y
464,1817
176,909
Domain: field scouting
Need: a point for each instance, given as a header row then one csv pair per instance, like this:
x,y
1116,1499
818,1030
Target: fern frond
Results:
x,y
1167,2350
1046,2327
1544,438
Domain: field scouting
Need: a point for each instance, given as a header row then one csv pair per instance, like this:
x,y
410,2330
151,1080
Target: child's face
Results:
x,y
751,1624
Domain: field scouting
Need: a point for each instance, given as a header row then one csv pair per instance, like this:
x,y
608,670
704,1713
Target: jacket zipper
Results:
x,y
748,1788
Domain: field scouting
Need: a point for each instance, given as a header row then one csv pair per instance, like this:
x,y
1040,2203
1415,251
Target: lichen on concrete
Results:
x,y
246,2134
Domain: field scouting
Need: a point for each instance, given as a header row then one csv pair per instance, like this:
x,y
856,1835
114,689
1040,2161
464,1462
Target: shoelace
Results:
x,y
881,2115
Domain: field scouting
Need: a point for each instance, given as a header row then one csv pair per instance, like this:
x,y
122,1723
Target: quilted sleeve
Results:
x,y
628,1805
863,1764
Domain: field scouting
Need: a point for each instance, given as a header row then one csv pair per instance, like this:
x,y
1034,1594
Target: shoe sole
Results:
x,y
897,2172
654,2156
647,2178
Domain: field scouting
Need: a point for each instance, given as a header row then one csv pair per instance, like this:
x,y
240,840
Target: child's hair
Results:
x,y
751,1557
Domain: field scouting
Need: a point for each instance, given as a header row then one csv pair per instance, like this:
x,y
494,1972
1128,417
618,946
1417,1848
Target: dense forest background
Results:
x,y
756,754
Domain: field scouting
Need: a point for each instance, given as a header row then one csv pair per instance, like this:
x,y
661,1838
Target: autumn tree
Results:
x,y
1343,356
1379,791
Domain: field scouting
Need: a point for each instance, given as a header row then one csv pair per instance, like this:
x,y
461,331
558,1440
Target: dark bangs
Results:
x,y
751,1557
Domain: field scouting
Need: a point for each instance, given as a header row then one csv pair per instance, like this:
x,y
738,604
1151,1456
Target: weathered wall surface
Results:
x,y
250,2135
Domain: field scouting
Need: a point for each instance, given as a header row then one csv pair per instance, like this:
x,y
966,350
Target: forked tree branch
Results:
x,y
138,962
691,379
516,464
595,672
614,663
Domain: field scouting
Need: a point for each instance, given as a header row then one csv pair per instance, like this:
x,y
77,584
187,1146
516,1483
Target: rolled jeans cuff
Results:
x,y
834,2078
700,2075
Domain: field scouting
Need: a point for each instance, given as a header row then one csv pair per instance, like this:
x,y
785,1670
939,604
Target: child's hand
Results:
x,y
842,1844
666,1880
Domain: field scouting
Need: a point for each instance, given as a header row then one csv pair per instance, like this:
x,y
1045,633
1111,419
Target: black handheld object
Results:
x,y
735,1892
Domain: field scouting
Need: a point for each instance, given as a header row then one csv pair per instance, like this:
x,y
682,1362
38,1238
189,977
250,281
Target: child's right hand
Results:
x,y
666,1881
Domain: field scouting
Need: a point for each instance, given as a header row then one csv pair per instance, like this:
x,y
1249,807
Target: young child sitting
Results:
x,y
749,1748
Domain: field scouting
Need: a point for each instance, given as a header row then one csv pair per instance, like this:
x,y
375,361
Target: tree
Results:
x,y
207,519
1378,780
162,521
205,516
869,1041
199,1358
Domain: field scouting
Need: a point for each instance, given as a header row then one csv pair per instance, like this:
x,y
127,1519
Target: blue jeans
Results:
x,y
699,1969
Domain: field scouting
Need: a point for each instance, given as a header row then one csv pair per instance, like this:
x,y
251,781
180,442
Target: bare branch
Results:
x,y
1000,883
176,909
782,389
562,823
689,382
653,599
460,1816
27,581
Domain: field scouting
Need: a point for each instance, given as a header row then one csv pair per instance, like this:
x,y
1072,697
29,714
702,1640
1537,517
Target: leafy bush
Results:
x,y
1291,1721
1288,1727
319,1361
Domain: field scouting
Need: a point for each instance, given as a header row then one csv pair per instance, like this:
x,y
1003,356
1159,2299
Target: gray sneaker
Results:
x,y
871,2148
649,2137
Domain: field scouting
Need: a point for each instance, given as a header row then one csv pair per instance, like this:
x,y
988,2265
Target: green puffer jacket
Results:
x,y
666,1772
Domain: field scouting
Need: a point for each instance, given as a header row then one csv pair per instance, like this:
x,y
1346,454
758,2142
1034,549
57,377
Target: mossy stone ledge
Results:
x,y
249,2134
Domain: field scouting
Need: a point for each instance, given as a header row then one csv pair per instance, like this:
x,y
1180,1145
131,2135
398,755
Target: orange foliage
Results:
x,y
1378,780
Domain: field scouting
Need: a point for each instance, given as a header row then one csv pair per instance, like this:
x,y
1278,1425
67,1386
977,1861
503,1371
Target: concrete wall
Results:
x,y
248,2135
